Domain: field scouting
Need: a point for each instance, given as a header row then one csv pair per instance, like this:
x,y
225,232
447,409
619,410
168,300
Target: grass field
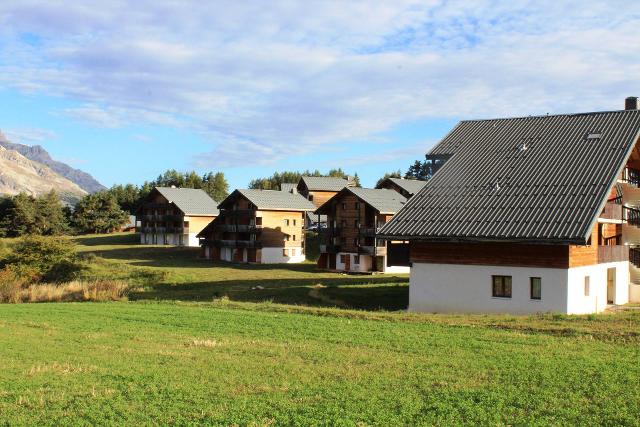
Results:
x,y
197,344
169,273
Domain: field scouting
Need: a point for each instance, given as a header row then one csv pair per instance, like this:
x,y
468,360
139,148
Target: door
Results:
x,y
347,262
332,261
611,285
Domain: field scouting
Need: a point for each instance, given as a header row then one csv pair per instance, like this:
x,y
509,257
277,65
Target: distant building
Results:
x,y
319,189
174,216
528,214
349,242
258,226
406,187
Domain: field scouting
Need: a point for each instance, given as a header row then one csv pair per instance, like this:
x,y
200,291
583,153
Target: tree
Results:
x,y
278,178
418,170
50,218
397,174
99,213
216,186
24,214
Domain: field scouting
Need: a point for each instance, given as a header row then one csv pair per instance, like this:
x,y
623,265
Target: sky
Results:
x,y
128,89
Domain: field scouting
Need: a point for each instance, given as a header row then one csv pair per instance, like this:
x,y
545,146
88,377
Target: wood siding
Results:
x,y
274,229
320,197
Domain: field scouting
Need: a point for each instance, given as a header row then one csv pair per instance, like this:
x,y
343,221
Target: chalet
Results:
x,y
174,216
349,242
529,214
258,226
406,187
319,189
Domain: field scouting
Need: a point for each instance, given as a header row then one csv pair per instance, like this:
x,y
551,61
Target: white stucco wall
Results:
x,y
634,293
578,303
275,256
364,265
396,269
191,239
467,289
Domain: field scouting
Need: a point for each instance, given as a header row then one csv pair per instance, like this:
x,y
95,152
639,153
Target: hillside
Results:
x,y
38,154
19,174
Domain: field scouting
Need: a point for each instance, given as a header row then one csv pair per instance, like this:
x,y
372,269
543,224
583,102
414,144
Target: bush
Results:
x,y
47,259
99,290
11,285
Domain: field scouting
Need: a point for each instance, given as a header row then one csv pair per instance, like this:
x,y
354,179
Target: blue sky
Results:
x,y
127,90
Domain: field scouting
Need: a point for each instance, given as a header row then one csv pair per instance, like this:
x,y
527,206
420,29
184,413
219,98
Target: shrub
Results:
x,y
48,259
100,290
11,286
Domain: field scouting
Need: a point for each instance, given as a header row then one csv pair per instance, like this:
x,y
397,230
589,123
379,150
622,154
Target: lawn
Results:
x,y
170,273
229,363
225,344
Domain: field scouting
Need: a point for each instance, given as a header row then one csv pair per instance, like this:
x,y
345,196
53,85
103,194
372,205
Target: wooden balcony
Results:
x,y
612,211
228,228
329,249
232,243
367,231
613,253
248,228
240,212
631,176
373,250
631,215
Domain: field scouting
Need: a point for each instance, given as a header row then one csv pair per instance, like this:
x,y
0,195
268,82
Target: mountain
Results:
x,y
38,154
19,174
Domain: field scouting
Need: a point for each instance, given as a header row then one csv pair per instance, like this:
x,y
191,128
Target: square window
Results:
x,y
536,288
310,197
501,286
356,259
587,286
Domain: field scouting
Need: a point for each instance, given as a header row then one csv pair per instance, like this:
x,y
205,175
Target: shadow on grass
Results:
x,y
108,239
383,293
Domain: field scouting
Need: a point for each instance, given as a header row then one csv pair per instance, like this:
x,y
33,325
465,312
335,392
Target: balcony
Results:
x,y
228,228
634,256
613,253
373,250
329,249
249,228
631,215
631,176
233,243
612,211
240,212
368,231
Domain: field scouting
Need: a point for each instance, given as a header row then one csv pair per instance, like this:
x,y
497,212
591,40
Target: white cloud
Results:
x,y
263,81
28,135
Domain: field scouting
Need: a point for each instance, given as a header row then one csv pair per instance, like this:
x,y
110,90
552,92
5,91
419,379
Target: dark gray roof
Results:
x,y
411,186
324,183
383,200
190,201
288,187
276,200
538,179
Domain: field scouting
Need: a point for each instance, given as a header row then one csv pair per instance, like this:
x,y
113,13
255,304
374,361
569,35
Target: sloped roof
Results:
x,y
289,187
383,200
325,183
411,186
538,179
273,200
190,201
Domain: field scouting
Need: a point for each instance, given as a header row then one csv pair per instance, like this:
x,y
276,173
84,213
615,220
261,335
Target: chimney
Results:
x,y
631,103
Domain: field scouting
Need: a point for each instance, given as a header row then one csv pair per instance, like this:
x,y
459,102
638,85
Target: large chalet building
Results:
x,y
258,226
174,216
529,214
349,241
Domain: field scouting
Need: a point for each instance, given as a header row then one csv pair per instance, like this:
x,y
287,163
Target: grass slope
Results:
x,y
248,364
170,273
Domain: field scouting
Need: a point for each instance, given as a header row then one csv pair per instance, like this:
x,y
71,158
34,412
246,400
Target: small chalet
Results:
x,y
319,189
528,214
174,216
406,187
349,242
258,226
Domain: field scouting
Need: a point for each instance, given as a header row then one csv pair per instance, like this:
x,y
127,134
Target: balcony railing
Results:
x,y
367,231
239,212
613,253
233,243
229,228
631,215
373,250
248,228
631,176
329,249
612,211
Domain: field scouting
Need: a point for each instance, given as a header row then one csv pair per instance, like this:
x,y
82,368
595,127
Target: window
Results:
x,y
357,205
258,220
285,252
344,206
587,286
536,288
356,241
294,222
501,287
286,222
286,237
310,197
356,259
343,259
294,237
356,223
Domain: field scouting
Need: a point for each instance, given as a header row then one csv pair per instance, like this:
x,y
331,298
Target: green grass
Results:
x,y
257,364
170,273
200,343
